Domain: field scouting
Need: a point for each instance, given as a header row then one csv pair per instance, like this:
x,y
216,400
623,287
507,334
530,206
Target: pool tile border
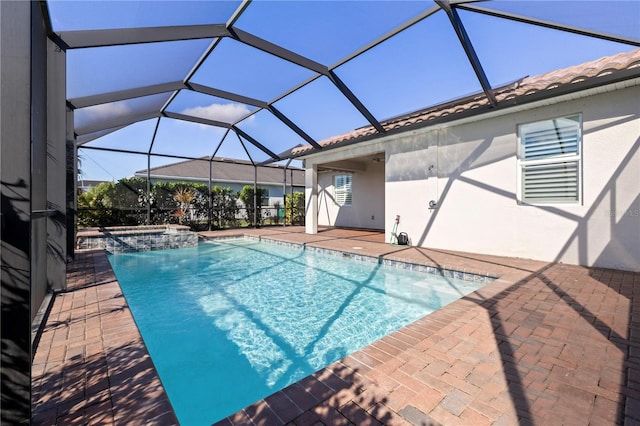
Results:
x,y
129,239
381,260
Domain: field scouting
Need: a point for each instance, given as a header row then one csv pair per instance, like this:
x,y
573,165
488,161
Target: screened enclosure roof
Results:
x,y
267,81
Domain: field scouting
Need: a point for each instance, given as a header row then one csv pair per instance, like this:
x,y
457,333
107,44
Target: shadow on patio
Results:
x,y
542,344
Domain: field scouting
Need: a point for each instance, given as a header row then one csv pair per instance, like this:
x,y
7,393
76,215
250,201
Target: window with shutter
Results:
x,y
342,189
549,161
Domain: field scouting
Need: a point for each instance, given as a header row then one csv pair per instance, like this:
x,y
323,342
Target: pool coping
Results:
x,y
380,260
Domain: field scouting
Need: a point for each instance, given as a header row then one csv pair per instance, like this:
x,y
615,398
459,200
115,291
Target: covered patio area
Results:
x,y
544,343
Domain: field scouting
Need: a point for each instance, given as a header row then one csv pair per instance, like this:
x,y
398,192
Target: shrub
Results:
x,y
125,203
109,204
294,208
224,205
246,196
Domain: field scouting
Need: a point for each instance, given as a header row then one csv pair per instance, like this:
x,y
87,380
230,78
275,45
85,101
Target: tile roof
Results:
x,y
546,85
225,170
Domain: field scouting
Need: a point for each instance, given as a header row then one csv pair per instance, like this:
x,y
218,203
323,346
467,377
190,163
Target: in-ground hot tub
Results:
x,y
123,239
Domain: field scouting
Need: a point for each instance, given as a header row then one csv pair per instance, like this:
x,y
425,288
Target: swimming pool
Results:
x,y
230,322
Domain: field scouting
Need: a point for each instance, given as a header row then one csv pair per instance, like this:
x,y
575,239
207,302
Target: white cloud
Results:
x,y
226,113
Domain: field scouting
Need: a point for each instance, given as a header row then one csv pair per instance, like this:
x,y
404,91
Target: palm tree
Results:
x,y
184,197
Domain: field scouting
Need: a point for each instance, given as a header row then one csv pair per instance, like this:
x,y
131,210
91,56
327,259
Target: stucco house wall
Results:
x,y
469,168
476,183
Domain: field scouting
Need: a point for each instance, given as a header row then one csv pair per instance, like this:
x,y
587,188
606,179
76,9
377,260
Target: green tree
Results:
x,y
163,204
129,201
224,203
294,208
94,206
200,207
246,196
110,204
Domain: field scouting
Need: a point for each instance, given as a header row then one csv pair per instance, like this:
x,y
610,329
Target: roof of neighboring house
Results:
x,y
555,83
225,170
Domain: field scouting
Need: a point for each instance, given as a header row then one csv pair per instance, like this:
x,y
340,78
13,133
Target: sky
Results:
x,y
422,66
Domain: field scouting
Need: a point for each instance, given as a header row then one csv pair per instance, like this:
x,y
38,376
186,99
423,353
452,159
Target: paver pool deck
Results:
x,y
543,344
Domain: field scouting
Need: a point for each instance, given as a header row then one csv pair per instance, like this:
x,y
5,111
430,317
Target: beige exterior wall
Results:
x,y
367,208
470,170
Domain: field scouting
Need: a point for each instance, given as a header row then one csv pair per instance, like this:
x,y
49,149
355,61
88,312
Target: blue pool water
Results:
x,y
228,323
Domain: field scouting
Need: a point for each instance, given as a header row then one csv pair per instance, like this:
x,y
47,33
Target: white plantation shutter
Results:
x,y
342,185
549,158
551,142
555,182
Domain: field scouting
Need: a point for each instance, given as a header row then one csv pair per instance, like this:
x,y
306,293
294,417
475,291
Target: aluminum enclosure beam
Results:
x,y
355,101
256,143
454,18
274,49
216,32
115,37
215,151
246,151
201,60
97,38
238,12
293,126
153,140
128,151
198,120
155,133
104,98
121,95
505,104
86,138
117,122
387,36
226,95
551,25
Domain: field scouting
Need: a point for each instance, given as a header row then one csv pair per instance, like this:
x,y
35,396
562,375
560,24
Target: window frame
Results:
x,y
549,160
347,188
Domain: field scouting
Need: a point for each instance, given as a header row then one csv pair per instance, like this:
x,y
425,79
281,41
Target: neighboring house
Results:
x,y
231,173
550,173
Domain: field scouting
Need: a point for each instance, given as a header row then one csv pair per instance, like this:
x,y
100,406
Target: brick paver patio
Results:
x,y
544,344
91,366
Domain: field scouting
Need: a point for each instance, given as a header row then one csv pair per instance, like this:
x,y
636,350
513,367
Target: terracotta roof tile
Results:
x,y
574,75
